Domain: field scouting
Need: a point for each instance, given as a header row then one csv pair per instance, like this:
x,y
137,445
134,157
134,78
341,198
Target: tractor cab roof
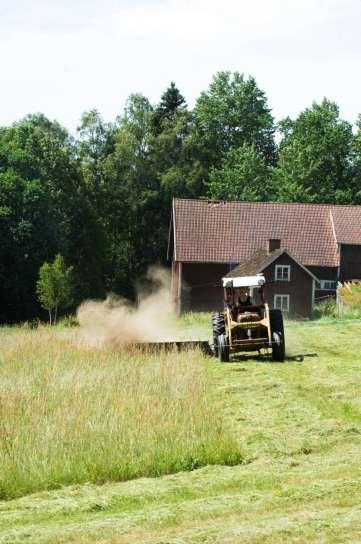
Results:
x,y
244,281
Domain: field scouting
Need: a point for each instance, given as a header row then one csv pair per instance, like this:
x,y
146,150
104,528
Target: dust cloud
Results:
x,y
115,322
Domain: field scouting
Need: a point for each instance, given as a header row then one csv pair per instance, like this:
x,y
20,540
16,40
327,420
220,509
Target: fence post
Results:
x,y
339,301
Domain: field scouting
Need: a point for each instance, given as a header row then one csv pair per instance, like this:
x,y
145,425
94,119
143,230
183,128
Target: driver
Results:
x,y
244,298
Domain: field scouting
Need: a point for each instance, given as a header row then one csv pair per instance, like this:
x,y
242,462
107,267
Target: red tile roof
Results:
x,y
259,261
347,224
255,264
206,231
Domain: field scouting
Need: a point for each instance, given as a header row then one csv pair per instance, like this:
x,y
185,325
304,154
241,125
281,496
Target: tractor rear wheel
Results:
x,y
278,336
223,348
218,327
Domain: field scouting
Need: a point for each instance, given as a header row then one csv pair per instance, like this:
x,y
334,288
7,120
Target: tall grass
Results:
x,y
349,306
70,414
350,294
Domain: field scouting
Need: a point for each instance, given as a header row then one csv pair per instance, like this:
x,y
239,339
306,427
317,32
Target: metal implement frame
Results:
x,y
258,343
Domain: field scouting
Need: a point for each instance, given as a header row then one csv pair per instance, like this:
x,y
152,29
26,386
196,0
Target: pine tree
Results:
x,y
171,102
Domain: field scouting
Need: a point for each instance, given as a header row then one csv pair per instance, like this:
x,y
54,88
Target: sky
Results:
x,y
64,57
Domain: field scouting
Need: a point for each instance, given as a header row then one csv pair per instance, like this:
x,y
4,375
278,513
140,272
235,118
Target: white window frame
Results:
x,y
323,283
282,266
282,297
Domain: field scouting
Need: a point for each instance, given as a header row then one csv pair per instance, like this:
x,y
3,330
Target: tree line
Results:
x,y
102,199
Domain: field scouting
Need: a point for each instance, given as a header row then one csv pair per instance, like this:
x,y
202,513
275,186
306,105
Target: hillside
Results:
x,y
298,426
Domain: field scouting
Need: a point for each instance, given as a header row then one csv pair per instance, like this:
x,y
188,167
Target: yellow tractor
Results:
x,y
247,324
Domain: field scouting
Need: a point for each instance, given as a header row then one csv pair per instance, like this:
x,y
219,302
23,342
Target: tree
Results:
x,y
96,141
232,112
315,157
131,206
356,148
44,185
54,287
170,104
244,175
30,233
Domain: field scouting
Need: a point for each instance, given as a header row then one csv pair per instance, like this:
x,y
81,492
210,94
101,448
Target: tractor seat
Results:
x,y
246,317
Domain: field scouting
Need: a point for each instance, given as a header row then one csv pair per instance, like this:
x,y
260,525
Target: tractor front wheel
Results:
x,y
223,348
278,336
218,327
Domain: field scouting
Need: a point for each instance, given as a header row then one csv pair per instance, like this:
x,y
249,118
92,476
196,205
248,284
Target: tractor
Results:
x,y
247,324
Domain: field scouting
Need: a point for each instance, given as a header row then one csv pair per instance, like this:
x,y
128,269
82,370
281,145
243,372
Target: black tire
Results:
x,y
278,336
218,327
223,348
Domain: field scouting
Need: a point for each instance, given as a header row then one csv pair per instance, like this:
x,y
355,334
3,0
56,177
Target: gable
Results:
x,y
262,261
284,258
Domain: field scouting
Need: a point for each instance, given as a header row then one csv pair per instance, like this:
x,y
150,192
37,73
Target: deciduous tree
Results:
x,y
55,287
244,175
315,157
232,112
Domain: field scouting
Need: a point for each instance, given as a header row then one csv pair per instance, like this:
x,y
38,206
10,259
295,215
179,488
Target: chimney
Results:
x,y
273,244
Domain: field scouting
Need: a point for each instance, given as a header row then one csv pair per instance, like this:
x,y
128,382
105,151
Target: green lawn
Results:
x,y
298,426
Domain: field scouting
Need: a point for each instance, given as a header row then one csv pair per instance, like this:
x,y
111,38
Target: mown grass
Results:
x,y
72,415
299,427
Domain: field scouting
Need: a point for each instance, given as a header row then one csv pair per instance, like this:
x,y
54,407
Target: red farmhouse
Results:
x,y
303,250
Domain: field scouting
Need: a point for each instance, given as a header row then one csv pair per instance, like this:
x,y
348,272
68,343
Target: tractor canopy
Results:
x,y
244,281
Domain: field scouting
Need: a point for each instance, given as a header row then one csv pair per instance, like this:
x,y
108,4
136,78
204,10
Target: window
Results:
x,y
329,285
282,302
282,272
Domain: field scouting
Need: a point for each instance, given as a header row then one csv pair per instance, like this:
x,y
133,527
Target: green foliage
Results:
x,y
356,147
326,308
55,287
244,175
232,112
170,104
68,321
46,209
315,158
104,200
29,234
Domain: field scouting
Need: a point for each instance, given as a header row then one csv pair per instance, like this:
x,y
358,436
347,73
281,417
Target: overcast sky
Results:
x,y
62,57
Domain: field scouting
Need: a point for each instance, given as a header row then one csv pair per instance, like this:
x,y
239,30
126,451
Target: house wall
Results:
x,y
175,283
201,288
299,287
324,273
350,262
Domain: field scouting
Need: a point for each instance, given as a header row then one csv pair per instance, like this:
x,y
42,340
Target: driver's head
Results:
x,y
243,295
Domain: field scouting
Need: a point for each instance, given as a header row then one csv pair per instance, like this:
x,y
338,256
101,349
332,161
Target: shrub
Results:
x,y
326,308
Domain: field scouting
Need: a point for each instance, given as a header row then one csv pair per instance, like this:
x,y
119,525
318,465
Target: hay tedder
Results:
x,y
247,324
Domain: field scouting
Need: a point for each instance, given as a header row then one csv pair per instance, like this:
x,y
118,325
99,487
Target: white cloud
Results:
x,y
65,57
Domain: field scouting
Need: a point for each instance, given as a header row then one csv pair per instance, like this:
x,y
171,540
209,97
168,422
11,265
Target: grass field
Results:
x,y
70,414
298,428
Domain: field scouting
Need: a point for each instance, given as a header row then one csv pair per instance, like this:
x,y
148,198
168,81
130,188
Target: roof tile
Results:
x,y
207,231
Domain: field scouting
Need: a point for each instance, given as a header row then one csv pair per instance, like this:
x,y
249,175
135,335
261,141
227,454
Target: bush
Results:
x,y
68,321
326,308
